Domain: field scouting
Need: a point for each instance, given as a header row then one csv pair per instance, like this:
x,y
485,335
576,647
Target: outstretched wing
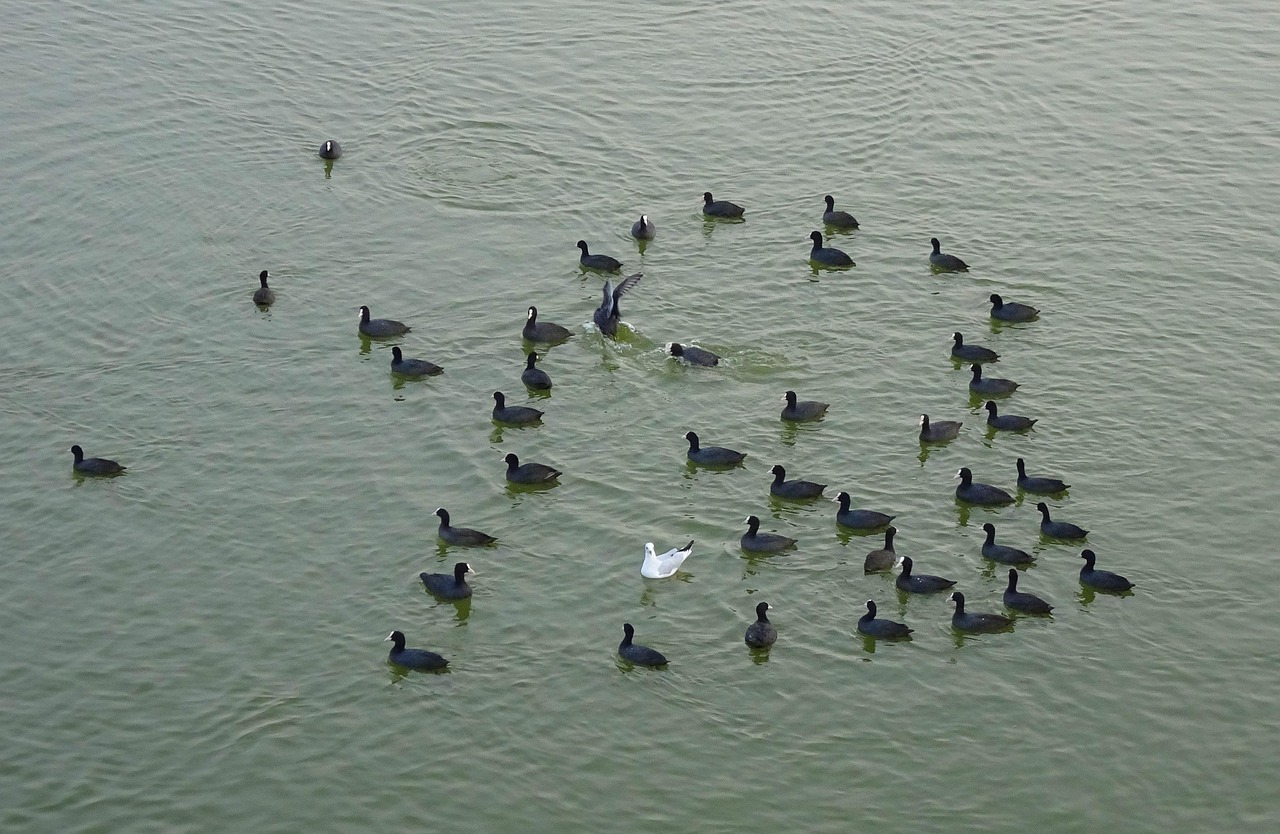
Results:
x,y
622,289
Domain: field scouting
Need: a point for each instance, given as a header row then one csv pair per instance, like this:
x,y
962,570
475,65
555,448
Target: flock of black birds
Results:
x,y
761,633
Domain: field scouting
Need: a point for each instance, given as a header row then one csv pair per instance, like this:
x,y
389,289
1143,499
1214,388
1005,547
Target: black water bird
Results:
x,y
462,536
547,332
643,229
799,410
971,353
883,558
637,654
1102,580
529,473
420,659
1043,486
941,260
534,377
694,355
719,208
858,519
1011,310
1021,601
837,219
976,622
1058,529
516,415
1002,553
757,542
93,466
412,367
978,493
938,431
263,296
872,626
1007,422
711,455
990,386
607,314
783,488
451,586
604,263
827,255
762,633
919,583
380,328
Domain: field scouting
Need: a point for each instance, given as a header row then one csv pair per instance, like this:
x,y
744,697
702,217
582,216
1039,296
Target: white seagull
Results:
x,y
660,567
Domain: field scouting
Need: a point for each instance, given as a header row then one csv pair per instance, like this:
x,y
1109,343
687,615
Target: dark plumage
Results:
x,y
1011,310
534,377
463,536
921,583
971,353
712,455
604,263
543,331
516,415
837,219
529,473
93,466
941,260
938,432
1007,422
858,519
420,659
990,386
1044,486
694,355
974,622
637,654
1019,601
643,229
761,634
719,208
380,328
793,489
798,410
884,558
263,296
827,255
412,367
449,585
872,626
330,150
1001,553
757,542
606,315
1102,580
976,493
1058,529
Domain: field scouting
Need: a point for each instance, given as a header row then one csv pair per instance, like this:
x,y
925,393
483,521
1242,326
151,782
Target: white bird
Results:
x,y
661,566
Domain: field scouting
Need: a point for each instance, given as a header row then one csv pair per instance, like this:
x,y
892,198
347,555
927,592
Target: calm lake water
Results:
x,y
197,646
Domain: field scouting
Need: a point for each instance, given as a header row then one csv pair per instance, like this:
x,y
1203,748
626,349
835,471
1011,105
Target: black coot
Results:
x,y
712,455
761,634
637,654
756,542
93,466
1024,602
420,659
449,585
872,626
462,536
976,622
